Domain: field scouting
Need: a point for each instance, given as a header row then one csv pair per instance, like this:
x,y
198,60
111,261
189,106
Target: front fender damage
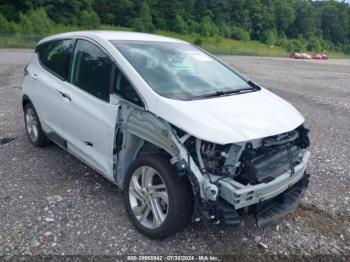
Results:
x,y
140,127
159,132
242,176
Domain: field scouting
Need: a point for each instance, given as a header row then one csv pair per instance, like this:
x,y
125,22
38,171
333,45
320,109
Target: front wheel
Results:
x,y
158,202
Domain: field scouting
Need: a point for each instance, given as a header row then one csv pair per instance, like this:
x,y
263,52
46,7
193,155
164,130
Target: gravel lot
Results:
x,y
50,203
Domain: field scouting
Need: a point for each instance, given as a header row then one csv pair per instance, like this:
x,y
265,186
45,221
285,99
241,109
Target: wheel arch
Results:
x,y
26,100
149,148
143,134
133,148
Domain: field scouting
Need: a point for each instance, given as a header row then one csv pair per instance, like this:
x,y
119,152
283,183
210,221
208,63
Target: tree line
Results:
x,y
293,24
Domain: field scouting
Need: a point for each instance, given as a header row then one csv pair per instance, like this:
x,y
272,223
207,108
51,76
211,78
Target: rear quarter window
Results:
x,y
54,56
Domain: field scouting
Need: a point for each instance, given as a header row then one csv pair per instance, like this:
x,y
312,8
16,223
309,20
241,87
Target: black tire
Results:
x,y
40,140
180,197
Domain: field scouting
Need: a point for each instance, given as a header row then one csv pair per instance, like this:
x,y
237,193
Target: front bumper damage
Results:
x,y
267,202
241,196
264,177
285,203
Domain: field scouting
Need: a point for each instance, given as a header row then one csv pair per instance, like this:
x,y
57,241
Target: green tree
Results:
x,y
262,20
206,27
89,19
296,45
144,22
65,11
305,21
118,12
271,37
193,26
11,9
269,21
239,14
284,15
4,25
239,33
35,22
225,30
314,44
180,25
332,24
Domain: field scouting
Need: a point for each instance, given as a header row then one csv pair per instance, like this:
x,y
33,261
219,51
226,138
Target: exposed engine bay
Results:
x,y
251,172
253,162
264,176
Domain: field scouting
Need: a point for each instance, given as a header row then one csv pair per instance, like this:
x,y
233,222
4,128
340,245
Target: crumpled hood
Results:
x,y
232,119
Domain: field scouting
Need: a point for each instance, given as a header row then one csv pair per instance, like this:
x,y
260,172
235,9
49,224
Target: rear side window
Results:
x,y
91,69
55,57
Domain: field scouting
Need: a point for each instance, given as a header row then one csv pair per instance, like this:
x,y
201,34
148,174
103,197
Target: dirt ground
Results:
x,y
50,203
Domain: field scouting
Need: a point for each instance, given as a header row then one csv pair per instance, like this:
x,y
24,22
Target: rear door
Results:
x,y
91,117
48,73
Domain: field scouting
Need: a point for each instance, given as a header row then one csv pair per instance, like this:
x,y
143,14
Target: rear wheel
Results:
x,y
33,127
158,202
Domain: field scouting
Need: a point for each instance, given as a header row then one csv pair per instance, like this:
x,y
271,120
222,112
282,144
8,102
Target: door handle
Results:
x,y
64,95
88,143
34,76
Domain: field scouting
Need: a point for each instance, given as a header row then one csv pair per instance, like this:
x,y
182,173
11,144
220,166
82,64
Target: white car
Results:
x,y
184,136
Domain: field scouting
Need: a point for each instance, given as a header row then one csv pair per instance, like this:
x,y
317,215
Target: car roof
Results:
x,y
113,35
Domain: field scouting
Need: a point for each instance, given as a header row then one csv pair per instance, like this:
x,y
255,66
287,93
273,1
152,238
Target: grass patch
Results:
x,y
18,41
215,45
224,46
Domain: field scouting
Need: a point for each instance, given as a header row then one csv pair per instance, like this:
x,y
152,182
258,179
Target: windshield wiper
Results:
x,y
224,93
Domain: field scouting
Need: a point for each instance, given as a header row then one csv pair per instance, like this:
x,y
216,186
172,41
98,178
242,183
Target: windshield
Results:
x,y
180,70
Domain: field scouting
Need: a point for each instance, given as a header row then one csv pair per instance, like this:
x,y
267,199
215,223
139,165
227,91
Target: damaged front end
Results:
x,y
265,177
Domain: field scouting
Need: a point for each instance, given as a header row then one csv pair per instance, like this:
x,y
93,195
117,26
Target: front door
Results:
x,y
92,118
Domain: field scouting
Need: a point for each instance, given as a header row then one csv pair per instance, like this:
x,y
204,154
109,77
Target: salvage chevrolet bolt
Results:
x,y
186,137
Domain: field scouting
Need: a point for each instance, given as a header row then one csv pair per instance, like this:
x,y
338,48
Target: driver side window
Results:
x,y
124,89
91,69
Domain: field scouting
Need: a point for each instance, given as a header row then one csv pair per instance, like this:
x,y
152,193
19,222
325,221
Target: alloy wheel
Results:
x,y
148,197
32,124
